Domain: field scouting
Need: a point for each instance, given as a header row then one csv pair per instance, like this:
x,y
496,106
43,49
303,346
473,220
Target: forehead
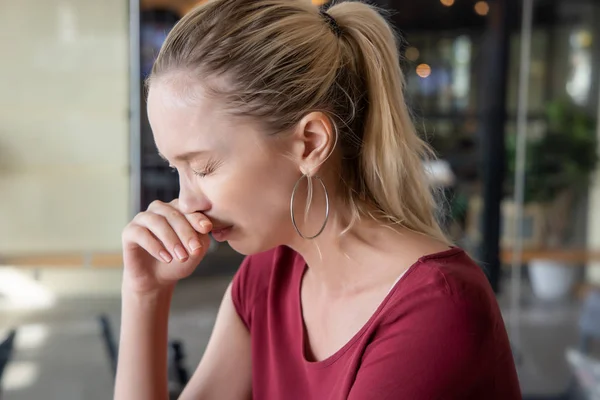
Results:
x,y
184,119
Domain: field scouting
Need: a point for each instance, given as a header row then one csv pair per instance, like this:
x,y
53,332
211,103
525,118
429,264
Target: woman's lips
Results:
x,y
220,233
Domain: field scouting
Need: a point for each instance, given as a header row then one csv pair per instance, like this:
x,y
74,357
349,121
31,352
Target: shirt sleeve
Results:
x,y
250,282
239,292
431,351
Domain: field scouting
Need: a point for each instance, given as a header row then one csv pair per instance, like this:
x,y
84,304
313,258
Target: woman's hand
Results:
x,y
161,246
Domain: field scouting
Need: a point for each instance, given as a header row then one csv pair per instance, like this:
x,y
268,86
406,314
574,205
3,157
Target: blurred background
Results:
x,y
507,92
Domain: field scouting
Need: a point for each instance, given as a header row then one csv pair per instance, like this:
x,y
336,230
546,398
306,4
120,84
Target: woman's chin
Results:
x,y
249,246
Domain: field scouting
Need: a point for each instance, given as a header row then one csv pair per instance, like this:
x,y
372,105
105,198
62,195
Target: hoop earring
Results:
x,y
326,207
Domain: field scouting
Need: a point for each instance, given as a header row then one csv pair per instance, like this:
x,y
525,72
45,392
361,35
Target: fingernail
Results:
x,y
165,256
195,244
205,224
180,252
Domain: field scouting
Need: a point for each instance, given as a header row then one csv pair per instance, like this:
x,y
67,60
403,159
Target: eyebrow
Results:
x,y
185,156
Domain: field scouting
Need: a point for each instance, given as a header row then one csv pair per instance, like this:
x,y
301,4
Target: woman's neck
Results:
x,y
370,253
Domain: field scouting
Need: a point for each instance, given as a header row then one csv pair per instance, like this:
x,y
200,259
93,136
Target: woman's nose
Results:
x,y
192,200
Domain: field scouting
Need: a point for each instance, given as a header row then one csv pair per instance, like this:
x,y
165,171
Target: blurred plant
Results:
x,y
558,164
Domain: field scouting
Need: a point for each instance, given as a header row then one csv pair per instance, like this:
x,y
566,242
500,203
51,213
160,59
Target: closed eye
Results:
x,y
211,166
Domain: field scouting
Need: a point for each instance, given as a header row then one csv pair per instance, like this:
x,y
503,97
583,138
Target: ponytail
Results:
x,y
391,158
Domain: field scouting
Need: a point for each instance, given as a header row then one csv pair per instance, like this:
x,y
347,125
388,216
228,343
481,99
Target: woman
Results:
x,y
292,141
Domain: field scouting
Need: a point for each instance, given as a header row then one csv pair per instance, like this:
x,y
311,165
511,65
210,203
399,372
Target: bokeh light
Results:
x,y
423,70
412,53
482,8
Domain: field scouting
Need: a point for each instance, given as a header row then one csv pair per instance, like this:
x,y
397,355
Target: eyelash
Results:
x,y
210,167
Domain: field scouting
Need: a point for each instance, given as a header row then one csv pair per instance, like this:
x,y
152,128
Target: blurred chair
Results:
x,y
6,349
589,322
587,376
586,369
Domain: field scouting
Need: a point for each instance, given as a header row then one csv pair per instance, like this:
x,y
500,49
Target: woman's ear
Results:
x,y
315,138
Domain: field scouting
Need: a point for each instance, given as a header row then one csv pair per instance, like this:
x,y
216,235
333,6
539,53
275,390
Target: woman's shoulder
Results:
x,y
444,302
442,318
449,280
451,271
463,278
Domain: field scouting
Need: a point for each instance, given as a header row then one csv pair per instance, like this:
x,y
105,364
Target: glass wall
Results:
x,y
442,71
545,306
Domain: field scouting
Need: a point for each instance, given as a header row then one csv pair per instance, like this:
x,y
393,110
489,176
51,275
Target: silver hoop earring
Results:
x,y
326,207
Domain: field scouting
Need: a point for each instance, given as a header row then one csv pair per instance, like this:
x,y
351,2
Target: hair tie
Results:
x,y
333,25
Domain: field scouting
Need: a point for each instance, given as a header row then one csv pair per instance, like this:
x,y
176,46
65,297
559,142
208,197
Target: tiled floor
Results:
x,y
60,354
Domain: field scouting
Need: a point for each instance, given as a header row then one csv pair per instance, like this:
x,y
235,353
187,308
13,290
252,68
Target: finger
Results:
x,y
156,204
199,221
160,227
183,228
142,237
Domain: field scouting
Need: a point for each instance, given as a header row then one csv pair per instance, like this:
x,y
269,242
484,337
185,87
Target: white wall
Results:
x,y
63,125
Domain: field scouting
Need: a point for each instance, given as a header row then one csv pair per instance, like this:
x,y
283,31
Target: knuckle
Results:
x,y
140,217
127,229
132,233
155,204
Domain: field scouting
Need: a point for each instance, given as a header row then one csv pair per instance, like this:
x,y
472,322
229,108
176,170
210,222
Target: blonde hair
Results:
x,y
282,59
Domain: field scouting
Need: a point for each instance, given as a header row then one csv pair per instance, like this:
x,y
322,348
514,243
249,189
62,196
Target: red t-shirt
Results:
x,y
438,334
